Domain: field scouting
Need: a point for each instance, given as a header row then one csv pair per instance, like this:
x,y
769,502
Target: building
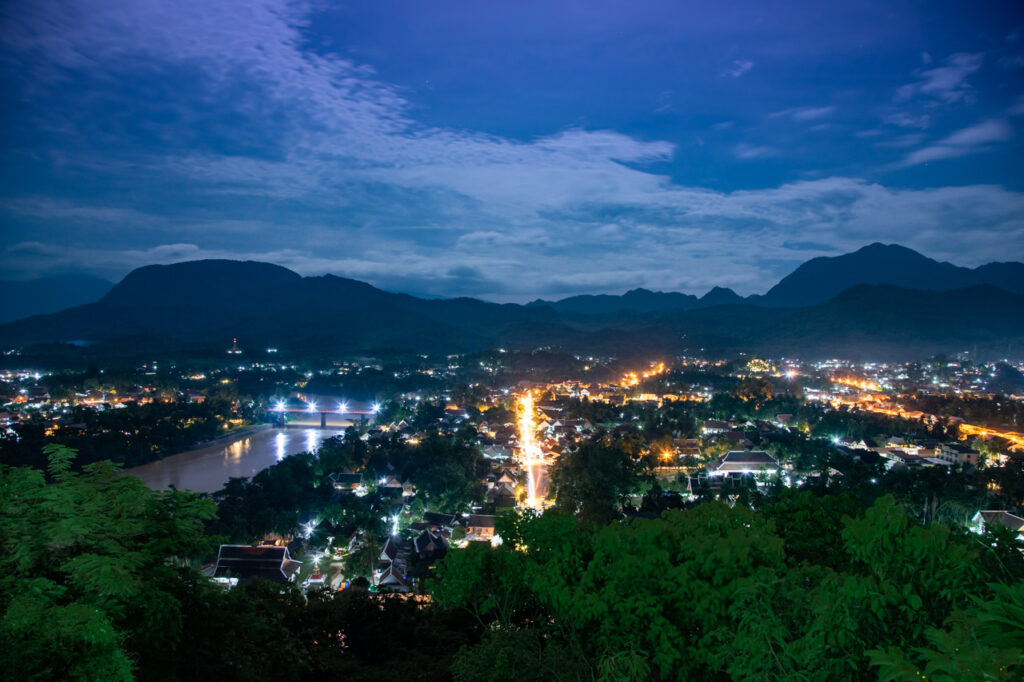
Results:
x,y
710,428
242,563
989,518
957,453
743,462
345,481
480,527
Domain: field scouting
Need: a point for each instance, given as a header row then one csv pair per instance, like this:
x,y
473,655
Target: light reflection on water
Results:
x,y
207,469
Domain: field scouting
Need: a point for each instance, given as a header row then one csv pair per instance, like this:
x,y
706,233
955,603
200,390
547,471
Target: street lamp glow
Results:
x,y
312,406
279,406
375,408
342,407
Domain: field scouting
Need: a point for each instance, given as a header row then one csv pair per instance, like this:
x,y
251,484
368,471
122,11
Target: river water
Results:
x,y
207,469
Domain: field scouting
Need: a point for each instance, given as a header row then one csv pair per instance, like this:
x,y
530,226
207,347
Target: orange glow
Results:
x,y
633,379
854,382
530,454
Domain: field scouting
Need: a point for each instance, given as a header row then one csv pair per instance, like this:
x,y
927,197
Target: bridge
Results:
x,y
315,406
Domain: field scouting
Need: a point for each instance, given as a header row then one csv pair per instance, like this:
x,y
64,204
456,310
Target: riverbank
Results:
x,y
241,454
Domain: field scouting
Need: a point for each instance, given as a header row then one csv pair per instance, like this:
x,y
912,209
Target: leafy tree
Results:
x,y
593,479
92,569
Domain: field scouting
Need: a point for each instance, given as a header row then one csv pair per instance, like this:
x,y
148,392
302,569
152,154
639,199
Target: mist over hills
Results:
x,y
202,305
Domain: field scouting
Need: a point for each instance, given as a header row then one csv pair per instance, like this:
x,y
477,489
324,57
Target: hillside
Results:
x,y
202,305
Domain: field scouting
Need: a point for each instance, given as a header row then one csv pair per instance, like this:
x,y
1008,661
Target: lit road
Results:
x,y
530,456
867,403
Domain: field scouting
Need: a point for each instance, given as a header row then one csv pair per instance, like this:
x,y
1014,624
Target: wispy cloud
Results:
x,y
738,68
750,151
678,238
903,141
903,119
947,83
805,113
977,138
344,178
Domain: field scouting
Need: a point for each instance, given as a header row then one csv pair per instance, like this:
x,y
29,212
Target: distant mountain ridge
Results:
x,y
641,301
820,279
202,305
816,281
48,295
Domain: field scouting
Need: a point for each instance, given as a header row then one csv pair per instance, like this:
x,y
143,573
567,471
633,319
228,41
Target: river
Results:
x,y
207,469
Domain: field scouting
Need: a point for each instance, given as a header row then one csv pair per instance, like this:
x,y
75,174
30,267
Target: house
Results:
x,y
391,576
896,456
430,547
738,438
957,453
439,521
347,482
314,581
502,497
480,526
392,567
987,518
743,462
242,563
712,427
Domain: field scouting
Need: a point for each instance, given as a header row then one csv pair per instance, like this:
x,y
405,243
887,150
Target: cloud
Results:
x,y
1012,61
805,113
903,141
341,177
738,68
747,151
678,238
977,138
947,83
905,119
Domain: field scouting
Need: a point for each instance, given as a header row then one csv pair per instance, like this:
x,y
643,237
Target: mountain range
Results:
x,y
879,302
817,281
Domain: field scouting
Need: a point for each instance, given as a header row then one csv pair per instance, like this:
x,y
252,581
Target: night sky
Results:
x,y
509,150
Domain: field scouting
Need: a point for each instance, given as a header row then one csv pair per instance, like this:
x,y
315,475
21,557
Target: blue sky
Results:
x,y
509,150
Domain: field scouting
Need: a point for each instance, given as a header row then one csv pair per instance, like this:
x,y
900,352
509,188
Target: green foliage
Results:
x,y
514,655
92,569
592,480
130,435
810,588
984,641
465,580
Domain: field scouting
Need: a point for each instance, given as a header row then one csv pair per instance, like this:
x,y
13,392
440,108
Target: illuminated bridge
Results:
x,y
324,406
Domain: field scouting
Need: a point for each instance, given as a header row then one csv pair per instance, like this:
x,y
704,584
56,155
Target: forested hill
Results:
x,y
203,305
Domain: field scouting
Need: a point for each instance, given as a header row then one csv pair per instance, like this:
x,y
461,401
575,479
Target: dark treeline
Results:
x,y
994,412
445,471
97,584
131,434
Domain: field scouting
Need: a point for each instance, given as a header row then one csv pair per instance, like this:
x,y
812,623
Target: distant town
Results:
x,y
511,431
